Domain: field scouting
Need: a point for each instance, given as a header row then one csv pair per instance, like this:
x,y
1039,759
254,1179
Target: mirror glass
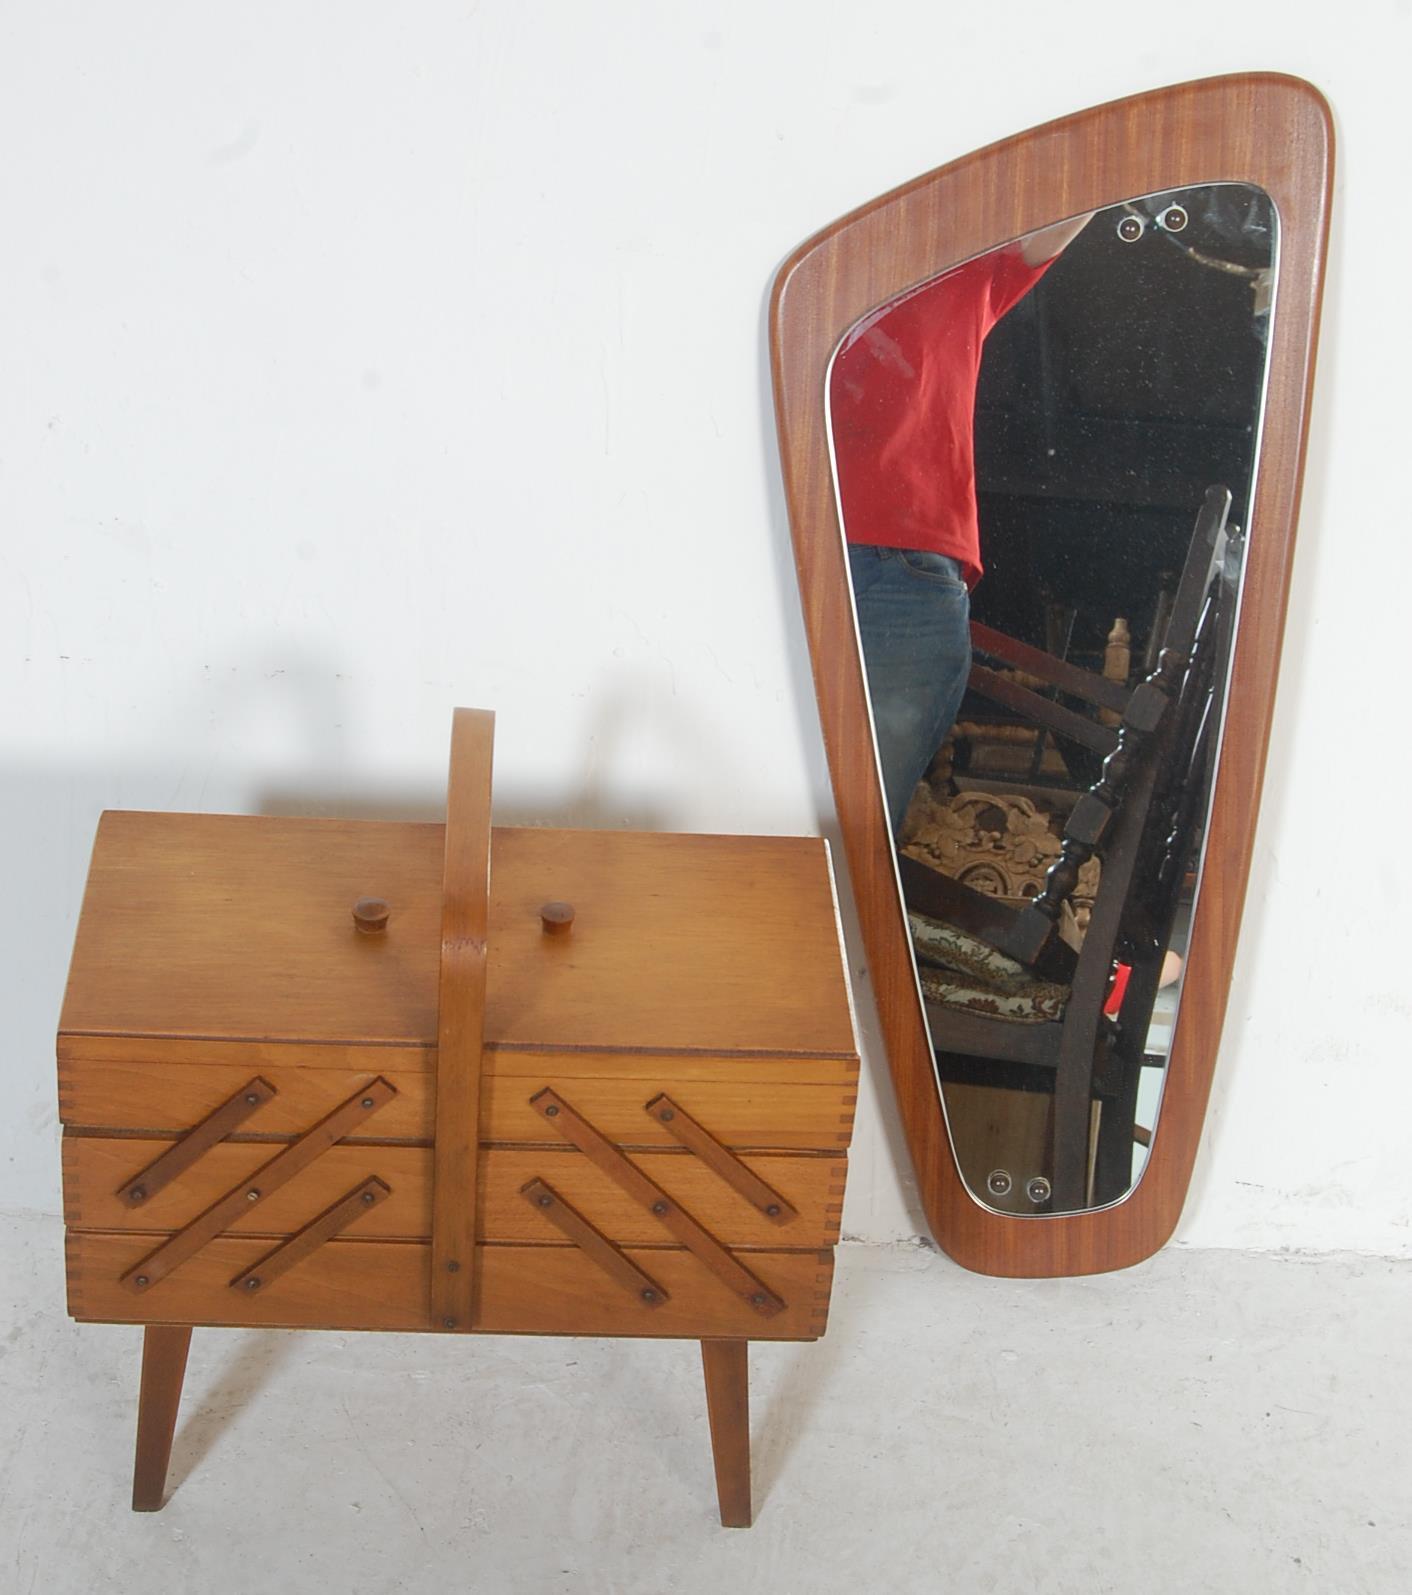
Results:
x,y
1043,460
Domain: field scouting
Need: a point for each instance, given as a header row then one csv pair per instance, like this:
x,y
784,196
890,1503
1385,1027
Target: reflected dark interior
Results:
x,y
1110,397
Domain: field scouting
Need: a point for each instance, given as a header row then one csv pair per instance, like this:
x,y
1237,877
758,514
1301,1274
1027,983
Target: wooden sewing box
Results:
x,y
326,1074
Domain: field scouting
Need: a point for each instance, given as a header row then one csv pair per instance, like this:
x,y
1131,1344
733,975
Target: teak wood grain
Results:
x,y
503,1058
740,933
164,1353
725,1364
95,1168
748,1104
465,913
523,1290
1257,128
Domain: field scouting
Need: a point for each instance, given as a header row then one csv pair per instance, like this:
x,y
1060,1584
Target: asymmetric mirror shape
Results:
x,y
1059,386
1033,453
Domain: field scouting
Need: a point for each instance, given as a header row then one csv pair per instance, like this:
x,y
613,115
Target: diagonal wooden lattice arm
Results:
x,y
696,1138
262,1183
332,1221
593,1243
670,1214
199,1140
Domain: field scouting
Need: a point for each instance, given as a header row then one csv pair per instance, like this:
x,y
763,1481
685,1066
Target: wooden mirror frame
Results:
x,y
1259,128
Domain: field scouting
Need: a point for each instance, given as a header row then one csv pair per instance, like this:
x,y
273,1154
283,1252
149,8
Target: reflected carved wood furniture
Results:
x,y
1001,988
996,843
352,1075
995,747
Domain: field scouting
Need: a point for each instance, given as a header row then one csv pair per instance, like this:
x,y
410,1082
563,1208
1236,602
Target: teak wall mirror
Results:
x,y
1050,893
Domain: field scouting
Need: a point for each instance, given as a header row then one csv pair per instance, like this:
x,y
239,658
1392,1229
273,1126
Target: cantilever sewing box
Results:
x,y
394,1076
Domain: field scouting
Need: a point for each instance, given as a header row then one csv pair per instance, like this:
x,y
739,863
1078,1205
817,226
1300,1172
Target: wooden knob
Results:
x,y
556,918
370,914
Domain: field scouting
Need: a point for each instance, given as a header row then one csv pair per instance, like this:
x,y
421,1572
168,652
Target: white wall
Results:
x,y
360,360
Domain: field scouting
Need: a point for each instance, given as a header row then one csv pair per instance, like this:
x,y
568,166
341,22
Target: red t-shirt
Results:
x,y
902,402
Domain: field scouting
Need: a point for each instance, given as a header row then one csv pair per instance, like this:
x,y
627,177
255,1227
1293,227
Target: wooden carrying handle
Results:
x,y
465,911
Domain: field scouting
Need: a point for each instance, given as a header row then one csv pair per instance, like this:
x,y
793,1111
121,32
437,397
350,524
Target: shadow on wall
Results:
x,y
628,738
639,759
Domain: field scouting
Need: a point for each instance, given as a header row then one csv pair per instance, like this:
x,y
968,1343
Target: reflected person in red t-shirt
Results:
x,y
902,403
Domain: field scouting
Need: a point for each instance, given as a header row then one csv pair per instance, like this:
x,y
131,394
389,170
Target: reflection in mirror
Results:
x,y
1043,459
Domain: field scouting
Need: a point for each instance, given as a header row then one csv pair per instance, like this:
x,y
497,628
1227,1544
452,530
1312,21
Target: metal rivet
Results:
x,y
252,1097
367,1102
659,1208
758,1299
668,1114
649,1294
252,1195
545,1200
142,1279
369,1196
453,1267
773,1210
551,1111
252,1284
137,1194
448,1323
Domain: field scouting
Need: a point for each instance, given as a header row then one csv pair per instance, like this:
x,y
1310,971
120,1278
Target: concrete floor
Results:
x,y
1216,1421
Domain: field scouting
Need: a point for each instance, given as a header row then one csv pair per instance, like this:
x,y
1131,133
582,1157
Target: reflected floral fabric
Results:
x,y
959,970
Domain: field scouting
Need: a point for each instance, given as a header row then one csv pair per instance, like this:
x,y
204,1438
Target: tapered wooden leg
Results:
x,y
728,1405
164,1349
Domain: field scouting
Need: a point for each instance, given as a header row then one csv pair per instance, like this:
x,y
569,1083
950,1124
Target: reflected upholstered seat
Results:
x,y
959,970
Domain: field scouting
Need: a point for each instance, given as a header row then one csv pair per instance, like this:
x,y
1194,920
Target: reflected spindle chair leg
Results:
x,y
728,1406
164,1349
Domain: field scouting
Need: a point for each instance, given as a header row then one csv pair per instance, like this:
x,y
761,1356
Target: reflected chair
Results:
x,y
1008,1000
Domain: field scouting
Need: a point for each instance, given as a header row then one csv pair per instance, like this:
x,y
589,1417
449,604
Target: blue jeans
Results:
x,y
914,616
